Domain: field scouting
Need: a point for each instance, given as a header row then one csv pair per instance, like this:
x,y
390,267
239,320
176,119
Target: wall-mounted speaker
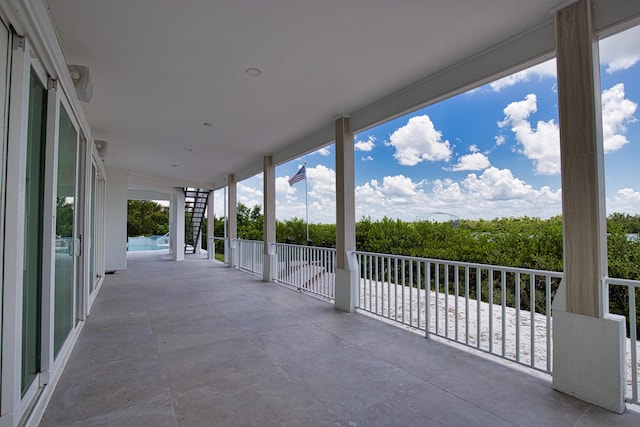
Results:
x,y
101,146
82,82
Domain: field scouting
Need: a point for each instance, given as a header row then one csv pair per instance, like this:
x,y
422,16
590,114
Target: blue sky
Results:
x,y
488,153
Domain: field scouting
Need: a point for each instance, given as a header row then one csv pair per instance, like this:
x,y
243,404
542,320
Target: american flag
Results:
x,y
299,176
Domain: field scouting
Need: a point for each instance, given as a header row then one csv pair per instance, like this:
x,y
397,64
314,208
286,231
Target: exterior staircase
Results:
x,y
195,204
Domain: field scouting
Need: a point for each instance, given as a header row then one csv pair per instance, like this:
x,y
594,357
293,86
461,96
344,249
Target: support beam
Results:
x,y
586,341
232,220
269,222
346,270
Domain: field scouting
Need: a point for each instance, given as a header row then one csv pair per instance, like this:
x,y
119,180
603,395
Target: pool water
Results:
x,y
135,248
142,243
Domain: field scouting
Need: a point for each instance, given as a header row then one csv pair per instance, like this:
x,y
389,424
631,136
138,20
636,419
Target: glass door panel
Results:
x,y
34,212
65,253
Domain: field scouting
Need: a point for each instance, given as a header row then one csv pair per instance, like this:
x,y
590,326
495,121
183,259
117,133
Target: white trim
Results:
x,y
4,120
40,406
48,230
14,234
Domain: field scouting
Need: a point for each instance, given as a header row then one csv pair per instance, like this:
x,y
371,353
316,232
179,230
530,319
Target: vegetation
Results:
x,y
147,218
515,242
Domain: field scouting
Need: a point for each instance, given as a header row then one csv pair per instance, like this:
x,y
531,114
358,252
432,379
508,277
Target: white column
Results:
x,y
210,227
588,345
177,222
346,268
269,223
232,220
116,195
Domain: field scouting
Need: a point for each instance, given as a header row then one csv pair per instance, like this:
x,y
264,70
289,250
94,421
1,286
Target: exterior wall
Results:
x,y
116,220
24,404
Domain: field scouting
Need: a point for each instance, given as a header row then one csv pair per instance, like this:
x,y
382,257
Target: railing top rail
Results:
x,y
249,241
304,246
468,264
622,282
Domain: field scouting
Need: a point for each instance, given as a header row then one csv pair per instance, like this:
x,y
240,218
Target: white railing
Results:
x,y
307,268
622,296
248,255
503,311
486,307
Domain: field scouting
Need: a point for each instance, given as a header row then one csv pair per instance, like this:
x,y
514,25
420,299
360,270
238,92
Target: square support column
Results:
x,y
232,220
211,249
269,222
346,268
586,340
177,222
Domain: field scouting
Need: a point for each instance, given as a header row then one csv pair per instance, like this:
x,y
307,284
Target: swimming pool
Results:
x,y
135,248
144,243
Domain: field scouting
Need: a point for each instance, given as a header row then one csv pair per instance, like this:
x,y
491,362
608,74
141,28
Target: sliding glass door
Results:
x,y
67,245
33,239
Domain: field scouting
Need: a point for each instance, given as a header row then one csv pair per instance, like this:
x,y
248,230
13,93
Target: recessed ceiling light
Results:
x,y
252,71
207,124
174,165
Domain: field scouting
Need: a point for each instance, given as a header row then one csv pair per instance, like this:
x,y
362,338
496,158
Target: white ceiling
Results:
x,y
163,68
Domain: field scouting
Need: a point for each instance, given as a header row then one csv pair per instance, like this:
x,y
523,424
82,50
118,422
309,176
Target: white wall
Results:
x,y
116,219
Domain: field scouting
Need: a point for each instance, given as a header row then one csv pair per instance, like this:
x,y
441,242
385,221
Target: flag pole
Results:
x,y
306,199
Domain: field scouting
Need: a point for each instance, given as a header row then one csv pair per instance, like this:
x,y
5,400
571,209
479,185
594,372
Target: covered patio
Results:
x,y
200,344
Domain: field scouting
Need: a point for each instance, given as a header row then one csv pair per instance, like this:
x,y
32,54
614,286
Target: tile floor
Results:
x,y
198,344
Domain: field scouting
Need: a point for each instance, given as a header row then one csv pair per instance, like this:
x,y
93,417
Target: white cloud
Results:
x,y
471,162
284,189
366,145
494,193
418,141
497,184
473,148
320,186
324,151
322,181
394,197
249,191
540,144
617,111
621,51
367,159
624,200
398,186
540,71
500,139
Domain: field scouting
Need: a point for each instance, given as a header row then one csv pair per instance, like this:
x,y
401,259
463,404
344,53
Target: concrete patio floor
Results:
x,y
196,343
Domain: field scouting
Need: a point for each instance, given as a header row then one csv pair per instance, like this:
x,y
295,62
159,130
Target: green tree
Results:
x,y
146,218
64,218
